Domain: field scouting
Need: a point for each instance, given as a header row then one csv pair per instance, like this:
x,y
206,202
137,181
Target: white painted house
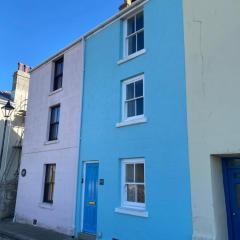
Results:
x,y
12,142
212,37
47,182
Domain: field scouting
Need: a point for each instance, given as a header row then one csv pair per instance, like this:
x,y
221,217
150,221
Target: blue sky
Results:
x,y
31,31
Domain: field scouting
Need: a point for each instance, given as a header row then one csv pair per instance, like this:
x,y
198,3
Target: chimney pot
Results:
x,y
20,66
126,4
26,68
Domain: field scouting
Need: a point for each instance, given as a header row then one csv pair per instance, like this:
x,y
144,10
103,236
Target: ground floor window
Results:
x,y
133,183
49,183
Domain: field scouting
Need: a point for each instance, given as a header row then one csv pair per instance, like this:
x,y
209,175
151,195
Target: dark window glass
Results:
x,y
140,194
139,106
135,33
233,162
139,21
58,74
49,183
139,88
129,172
131,108
130,91
140,41
131,192
131,26
54,123
139,173
132,44
237,187
134,99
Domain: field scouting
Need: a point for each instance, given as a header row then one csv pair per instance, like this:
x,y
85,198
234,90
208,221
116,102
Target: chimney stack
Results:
x,y
126,4
25,68
20,66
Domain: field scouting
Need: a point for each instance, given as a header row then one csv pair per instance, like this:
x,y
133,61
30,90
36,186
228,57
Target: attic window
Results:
x,y
134,33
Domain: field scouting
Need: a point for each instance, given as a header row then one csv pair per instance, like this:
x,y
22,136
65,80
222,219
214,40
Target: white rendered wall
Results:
x,y
212,37
64,153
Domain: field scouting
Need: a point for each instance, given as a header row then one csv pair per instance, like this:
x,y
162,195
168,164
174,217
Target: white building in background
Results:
x,y
47,183
9,166
212,37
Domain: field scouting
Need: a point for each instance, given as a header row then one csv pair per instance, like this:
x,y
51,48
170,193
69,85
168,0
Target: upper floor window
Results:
x,y
54,123
133,183
133,98
134,33
58,74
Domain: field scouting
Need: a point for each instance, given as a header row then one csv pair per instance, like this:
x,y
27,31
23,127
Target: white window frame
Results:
x,y
124,202
125,35
125,118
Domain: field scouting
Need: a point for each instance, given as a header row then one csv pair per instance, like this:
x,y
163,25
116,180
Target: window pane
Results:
x,y
58,74
48,174
59,68
46,191
50,192
132,44
131,108
140,21
140,106
129,172
139,88
57,82
55,112
49,183
139,173
53,134
131,26
131,192
237,188
130,91
233,162
53,115
140,41
53,168
140,194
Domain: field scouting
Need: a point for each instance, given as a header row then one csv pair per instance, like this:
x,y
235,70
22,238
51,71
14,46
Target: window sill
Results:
x,y
132,56
131,122
55,92
132,211
51,142
46,206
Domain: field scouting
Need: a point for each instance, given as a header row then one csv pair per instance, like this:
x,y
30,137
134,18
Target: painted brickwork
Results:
x,y
38,151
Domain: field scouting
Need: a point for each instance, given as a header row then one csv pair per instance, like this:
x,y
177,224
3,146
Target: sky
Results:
x,y
33,30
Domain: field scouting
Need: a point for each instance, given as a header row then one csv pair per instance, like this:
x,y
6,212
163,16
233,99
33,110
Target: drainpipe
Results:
x,y
78,197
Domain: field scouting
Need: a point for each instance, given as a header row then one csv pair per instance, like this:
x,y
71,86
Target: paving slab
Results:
x,y
18,231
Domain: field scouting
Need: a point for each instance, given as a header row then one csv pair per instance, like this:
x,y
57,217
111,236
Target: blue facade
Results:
x,y
161,141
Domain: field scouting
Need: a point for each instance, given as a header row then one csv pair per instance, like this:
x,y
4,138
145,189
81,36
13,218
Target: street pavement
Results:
x,y
18,231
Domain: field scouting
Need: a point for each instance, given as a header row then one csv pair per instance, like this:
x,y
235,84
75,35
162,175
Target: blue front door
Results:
x,y
232,190
90,198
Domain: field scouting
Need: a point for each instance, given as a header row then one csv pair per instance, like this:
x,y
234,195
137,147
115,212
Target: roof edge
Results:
x,y
57,54
115,17
107,22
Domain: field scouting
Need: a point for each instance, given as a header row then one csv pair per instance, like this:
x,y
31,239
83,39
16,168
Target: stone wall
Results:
x,y
8,192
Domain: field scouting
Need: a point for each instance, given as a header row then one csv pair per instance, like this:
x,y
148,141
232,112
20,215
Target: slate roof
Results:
x,y
5,95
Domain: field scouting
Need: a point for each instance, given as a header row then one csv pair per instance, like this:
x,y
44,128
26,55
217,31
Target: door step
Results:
x,y
85,236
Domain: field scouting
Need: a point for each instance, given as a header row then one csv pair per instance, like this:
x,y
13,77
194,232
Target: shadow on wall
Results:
x,y
10,165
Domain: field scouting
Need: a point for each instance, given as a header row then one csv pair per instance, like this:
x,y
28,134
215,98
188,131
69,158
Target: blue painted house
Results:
x,y
134,179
